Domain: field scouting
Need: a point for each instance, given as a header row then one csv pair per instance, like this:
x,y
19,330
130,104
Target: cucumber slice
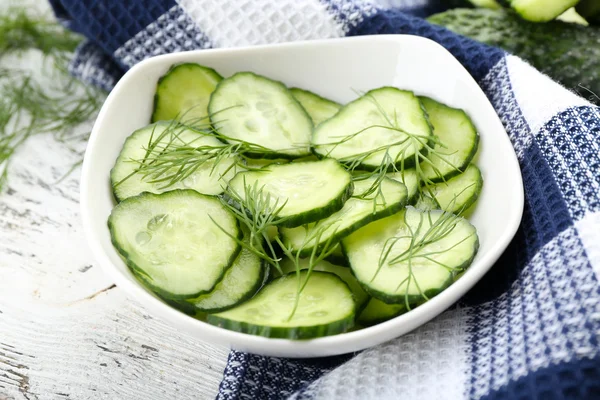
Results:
x,y
305,192
541,10
207,179
410,179
338,257
163,238
240,283
360,296
251,108
459,141
319,108
370,131
455,195
377,311
326,307
183,93
426,203
355,213
272,232
571,16
425,250
486,4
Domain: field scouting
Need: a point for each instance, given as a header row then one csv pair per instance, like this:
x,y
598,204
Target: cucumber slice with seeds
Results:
x,y
425,250
360,296
246,275
319,108
326,307
251,108
377,311
355,213
362,131
459,141
410,179
207,179
183,93
163,238
305,191
455,195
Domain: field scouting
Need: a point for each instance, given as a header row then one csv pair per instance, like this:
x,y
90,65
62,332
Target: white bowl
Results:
x,y
335,68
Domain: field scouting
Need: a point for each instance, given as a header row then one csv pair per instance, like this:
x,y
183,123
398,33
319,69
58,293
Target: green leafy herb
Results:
x,y
391,163
422,246
318,254
54,103
256,212
169,159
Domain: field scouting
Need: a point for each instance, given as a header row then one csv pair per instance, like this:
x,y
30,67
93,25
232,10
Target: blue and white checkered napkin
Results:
x,y
531,328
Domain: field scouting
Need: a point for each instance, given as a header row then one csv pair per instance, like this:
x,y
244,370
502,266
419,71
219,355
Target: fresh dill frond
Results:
x,y
31,103
169,159
423,244
21,31
256,213
393,154
318,254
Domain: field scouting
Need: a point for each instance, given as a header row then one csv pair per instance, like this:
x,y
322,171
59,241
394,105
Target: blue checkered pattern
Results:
x,y
531,328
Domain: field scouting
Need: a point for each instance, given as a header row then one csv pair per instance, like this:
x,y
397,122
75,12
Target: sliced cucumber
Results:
x,y
207,179
377,311
326,307
251,108
412,255
305,191
458,141
410,179
319,108
338,257
541,10
385,126
455,195
379,202
360,296
272,232
163,238
572,16
183,93
246,275
426,203
485,3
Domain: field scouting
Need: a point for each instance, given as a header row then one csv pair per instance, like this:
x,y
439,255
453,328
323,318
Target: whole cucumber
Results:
x,y
569,53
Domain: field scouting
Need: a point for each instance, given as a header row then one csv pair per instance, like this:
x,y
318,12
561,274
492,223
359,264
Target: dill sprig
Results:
x,y
422,245
256,212
317,254
21,31
170,159
390,162
32,103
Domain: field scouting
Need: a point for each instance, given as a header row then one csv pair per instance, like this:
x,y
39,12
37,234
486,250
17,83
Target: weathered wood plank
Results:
x,y
65,331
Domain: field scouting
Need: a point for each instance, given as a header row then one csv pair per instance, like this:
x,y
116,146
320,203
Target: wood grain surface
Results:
x,y
66,332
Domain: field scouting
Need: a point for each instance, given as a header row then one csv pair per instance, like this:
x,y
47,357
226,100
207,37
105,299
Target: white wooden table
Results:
x,y
66,332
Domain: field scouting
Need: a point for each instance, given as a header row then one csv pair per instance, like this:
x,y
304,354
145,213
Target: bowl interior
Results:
x,y
337,69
